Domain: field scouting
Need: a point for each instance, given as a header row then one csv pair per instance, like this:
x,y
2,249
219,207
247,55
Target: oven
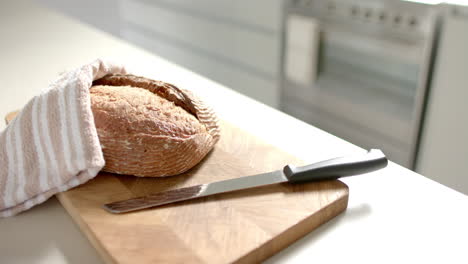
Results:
x,y
360,70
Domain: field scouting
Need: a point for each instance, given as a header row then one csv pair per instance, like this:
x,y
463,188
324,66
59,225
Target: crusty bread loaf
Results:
x,y
150,128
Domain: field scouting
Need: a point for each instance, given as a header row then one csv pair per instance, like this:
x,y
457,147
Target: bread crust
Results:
x,y
150,128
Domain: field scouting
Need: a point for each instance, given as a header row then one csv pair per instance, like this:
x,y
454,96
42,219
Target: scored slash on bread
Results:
x,y
150,128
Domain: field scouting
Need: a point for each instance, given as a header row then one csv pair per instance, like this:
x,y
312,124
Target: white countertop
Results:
x,y
393,215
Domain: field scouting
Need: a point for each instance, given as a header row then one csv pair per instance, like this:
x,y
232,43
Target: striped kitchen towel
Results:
x,y
52,145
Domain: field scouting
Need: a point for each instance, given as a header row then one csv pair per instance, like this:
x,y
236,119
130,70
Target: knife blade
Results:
x,y
325,170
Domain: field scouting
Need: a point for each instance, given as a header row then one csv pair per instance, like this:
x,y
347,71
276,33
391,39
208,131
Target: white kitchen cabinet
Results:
x,y
236,43
443,153
90,12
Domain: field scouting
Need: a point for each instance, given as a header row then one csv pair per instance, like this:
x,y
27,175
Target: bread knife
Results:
x,y
325,170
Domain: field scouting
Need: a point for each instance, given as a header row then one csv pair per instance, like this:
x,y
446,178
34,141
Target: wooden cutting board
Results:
x,y
244,226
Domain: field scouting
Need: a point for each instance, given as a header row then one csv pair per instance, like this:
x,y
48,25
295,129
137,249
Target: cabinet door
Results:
x,y
236,43
443,150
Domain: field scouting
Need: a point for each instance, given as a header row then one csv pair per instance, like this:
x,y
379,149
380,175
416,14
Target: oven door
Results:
x,y
366,86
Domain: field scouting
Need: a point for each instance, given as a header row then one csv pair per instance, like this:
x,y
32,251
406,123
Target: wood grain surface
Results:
x,y
243,226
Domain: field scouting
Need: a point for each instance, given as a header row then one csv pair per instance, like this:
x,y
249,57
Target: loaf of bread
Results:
x,y
150,128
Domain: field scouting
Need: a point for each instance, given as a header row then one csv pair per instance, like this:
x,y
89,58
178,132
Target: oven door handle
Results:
x,y
301,52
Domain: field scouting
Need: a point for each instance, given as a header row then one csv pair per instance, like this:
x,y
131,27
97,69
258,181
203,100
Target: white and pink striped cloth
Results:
x,y
52,145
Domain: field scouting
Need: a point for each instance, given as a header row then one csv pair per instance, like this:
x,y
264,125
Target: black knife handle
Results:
x,y
337,167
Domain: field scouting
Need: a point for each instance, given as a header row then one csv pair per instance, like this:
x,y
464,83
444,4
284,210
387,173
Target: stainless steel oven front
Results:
x,y
359,69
